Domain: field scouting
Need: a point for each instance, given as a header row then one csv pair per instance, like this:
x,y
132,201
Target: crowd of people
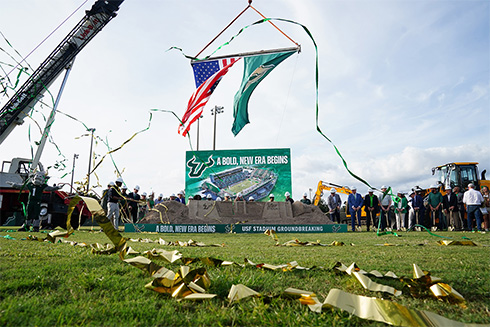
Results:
x,y
131,207
386,211
453,211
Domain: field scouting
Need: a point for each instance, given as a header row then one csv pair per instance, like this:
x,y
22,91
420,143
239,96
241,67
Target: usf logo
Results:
x,y
197,168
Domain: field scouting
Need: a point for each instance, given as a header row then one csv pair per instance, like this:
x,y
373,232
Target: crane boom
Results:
x,y
18,106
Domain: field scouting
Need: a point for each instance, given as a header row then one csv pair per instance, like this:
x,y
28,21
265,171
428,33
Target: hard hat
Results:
x,y
251,198
180,193
354,188
448,188
209,196
400,192
111,183
287,194
218,199
173,195
383,187
271,195
333,190
124,187
160,195
137,187
239,194
143,194
370,190
434,186
119,179
305,194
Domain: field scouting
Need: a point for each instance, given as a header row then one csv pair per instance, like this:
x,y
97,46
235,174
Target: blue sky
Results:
x,y
404,86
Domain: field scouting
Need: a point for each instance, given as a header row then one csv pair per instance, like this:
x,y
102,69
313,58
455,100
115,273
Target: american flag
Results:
x,y
207,75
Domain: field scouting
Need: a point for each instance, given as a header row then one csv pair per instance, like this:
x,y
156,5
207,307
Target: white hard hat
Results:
x,y
434,186
137,187
399,192
448,188
287,194
160,195
119,179
271,195
354,188
227,195
333,190
218,199
124,187
180,193
305,194
111,183
209,196
370,190
173,194
383,187
251,198
143,194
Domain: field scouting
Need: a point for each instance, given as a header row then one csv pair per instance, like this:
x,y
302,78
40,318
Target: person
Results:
x,y
288,197
218,199
485,208
418,207
159,199
197,197
227,198
305,199
123,204
461,208
36,186
103,200
411,211
435,206
451,210
173,197
371,206
143,206
150,201
354,201
134,198
251,199
181,197
271,197
113,198
401,204
209,197
385,204
239,197
473,200
334,202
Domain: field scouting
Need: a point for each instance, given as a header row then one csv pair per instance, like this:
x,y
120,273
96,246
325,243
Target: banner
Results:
x,y
231,228
253,173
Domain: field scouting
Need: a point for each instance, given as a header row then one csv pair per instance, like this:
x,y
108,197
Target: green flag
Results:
x,y
255,69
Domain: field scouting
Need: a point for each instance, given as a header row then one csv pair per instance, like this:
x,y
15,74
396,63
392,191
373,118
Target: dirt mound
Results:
x,y
212,212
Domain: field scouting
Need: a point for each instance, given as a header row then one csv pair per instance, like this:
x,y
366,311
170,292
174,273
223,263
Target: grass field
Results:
x,y
234,189
44,284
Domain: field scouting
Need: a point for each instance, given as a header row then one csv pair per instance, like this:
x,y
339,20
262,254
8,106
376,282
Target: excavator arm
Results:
x,y
328,186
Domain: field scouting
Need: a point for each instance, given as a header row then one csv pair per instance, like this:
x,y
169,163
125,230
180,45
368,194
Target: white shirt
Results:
x,y
472,197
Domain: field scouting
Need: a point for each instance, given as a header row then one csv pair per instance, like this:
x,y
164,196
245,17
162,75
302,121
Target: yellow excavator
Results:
x,y
340,189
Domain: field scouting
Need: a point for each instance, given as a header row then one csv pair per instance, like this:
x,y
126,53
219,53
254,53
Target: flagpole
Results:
x,y
215,111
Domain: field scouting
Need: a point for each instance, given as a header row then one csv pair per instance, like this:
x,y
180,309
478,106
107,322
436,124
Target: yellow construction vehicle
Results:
x,y
460,174
328,186
340,189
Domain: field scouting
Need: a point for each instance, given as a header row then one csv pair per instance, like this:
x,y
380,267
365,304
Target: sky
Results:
x,y
403,87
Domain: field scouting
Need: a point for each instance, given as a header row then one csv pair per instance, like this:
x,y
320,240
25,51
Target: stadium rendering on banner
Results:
x,y
251,173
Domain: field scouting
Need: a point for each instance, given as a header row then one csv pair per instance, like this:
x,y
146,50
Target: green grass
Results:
x,y
43,284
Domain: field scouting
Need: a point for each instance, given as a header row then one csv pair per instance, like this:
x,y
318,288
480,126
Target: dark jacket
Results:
x,y
367,203
450,201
